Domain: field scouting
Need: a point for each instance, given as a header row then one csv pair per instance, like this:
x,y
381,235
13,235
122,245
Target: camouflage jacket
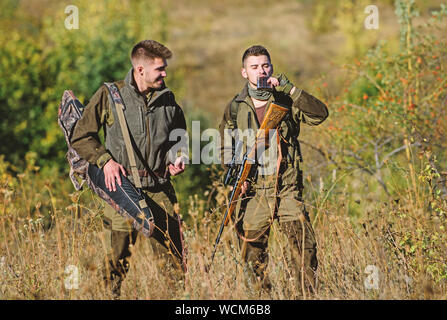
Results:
x,y
304,108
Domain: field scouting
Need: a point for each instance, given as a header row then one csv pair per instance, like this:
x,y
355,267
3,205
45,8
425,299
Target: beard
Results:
x,y
158,83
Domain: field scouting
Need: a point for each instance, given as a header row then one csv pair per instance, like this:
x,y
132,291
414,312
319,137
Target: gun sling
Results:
x,y
119,106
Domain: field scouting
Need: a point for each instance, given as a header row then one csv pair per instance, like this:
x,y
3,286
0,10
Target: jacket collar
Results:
x,y
130,81
243,95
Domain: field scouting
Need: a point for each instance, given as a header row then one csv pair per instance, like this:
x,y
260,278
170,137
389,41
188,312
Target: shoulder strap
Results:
x,y
233,113
119,106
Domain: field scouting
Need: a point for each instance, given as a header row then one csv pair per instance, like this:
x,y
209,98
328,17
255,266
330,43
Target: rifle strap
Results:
x,y
278,165
119,107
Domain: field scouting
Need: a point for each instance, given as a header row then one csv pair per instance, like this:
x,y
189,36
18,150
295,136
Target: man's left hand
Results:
x,y
282,84
178,167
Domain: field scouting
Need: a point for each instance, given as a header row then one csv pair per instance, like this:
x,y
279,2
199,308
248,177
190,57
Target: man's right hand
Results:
x,y
111,172
244,188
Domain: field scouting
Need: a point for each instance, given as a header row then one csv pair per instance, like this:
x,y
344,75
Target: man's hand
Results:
x,y
178,167
244,188
273,82
281,82
111,172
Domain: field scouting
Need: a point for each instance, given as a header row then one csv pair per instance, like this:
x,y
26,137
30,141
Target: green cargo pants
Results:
x,y
258,211
119,235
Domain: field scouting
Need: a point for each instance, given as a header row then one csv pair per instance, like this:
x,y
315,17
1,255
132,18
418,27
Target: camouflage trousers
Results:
x,y
166,242
258,211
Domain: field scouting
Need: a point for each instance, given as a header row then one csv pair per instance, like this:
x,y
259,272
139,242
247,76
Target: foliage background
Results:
x,y
376,168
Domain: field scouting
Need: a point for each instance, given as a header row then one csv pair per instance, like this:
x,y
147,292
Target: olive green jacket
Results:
x,y
150,120
304,108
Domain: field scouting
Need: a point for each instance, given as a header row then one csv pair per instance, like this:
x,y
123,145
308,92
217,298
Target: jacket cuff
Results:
x,y
103,159
284,84
296,94
288,87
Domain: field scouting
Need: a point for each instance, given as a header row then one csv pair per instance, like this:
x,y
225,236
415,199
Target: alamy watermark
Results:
x,y
221,150
71,282
72,20
372,280
372,20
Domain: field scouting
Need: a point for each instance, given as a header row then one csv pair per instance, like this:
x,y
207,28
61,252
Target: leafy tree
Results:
x,y
395,104
37,67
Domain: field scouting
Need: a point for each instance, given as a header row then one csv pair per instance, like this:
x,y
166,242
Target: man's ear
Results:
x,y
244,73
140,69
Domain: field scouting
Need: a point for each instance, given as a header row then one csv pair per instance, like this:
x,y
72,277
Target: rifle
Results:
x,y
232,166
273,117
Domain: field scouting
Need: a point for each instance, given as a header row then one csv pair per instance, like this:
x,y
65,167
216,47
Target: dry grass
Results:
x,y
34,258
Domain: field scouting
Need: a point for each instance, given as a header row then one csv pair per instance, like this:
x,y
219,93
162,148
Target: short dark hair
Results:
x,y
149,49
255,51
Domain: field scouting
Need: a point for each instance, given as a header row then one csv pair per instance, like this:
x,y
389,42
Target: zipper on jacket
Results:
x,y
256,118
148,138
142,117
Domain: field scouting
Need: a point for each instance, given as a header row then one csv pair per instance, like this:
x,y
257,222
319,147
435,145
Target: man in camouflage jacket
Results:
x,y
151,114
277,194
